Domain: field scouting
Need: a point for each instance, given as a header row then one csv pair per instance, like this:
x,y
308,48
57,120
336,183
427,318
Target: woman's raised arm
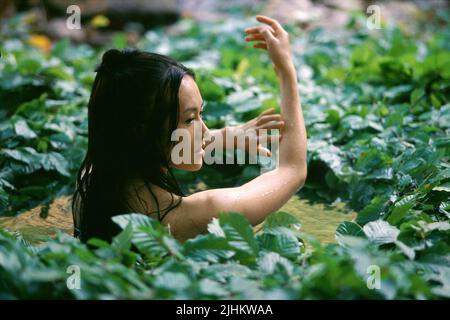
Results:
x,y
270,191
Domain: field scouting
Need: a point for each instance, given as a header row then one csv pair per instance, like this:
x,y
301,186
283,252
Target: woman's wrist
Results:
x,y
287,70
287,74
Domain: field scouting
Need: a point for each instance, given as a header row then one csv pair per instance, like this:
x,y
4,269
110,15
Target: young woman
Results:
x,y
138,99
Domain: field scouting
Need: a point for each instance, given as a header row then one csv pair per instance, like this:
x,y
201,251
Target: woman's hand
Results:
x,y
273,38
266,120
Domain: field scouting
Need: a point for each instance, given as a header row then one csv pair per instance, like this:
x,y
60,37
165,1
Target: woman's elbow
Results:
x,y
303,175
295,175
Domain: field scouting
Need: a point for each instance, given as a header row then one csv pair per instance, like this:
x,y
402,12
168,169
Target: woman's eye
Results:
x,y
188,121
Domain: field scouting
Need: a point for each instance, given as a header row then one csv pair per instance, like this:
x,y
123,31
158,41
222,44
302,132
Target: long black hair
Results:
x,y
132,110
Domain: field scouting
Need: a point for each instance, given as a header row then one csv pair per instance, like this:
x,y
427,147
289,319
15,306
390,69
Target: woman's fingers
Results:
x,y
273,38
260,45
273,125
271,22
262,151
258,29
265,33
268,117
268,111
252,30
255,37
264,36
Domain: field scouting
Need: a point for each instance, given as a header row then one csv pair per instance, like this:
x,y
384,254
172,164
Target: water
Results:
x,y
36,230
317,219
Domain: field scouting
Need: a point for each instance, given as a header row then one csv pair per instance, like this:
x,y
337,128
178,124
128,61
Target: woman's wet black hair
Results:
x,y
132,111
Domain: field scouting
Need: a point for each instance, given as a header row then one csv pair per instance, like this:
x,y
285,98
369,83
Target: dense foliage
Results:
x,y
377,109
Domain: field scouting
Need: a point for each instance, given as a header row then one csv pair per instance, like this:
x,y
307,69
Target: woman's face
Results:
x,y
191,127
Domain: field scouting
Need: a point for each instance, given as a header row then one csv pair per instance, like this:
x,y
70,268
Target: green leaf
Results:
x,y
148,234
409,252
122,242
239,233
119,41
280,240
98,243
444,207
381,232
215,228
348,228
440,225
333,117
137,220
212,288
47,161
173,281
416,95
29,66
269,261
281,219
208,248
401,208
26,155
22,129
372,211
443,187
435,100
55,161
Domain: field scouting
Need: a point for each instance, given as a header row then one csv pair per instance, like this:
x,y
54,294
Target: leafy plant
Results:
x,y
377,110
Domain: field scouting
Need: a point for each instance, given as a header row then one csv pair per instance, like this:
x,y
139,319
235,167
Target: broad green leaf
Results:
x,y
22,129
443,187
212,288
148,235
372,211
239,233
174,281
281,219
269,261
381,232
136,219
401,208
122,242
208,248
346,229
280,240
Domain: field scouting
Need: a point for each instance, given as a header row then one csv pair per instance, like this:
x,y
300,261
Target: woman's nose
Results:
x,y
205,132
204,128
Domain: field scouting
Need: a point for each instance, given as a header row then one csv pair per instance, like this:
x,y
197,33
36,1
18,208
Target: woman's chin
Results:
x,y
191,167
194,167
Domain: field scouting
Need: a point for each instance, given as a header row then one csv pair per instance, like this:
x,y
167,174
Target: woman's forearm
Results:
x,y
273,38
292,149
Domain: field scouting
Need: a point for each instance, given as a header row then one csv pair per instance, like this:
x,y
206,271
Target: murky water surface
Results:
x,y
317,219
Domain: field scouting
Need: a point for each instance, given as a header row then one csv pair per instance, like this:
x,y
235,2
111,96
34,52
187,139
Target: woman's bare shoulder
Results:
x,y
180,220
141,196
191,216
